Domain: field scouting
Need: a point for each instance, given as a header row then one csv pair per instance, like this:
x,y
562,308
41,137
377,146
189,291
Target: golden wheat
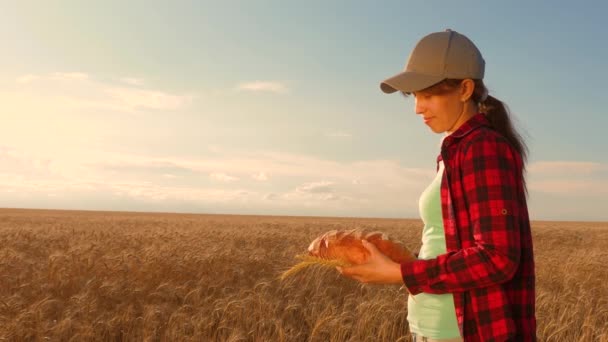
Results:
x,y
311,261
102,276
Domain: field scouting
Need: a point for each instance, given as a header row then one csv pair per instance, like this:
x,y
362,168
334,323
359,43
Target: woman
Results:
x,y
474,277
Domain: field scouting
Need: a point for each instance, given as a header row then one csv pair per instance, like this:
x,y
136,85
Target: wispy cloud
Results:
x,y
69,76
572,178
299,181
142,99
571,187
80,90
316,187
320,191
222,177
261,176
13,161
572,167
263,86
153,192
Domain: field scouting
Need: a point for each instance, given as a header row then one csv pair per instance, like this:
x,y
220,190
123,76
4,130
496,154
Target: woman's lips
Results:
x,y
426,120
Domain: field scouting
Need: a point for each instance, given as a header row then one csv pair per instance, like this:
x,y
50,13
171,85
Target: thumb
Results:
x,y
370,246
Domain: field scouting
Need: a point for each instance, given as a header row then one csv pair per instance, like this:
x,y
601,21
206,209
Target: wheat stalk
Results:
x,y
312,261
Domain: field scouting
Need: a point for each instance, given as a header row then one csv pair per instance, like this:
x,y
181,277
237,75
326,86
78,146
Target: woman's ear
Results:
x,y
466,89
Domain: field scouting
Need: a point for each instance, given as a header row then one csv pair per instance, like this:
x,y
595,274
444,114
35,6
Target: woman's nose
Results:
x,y
418,105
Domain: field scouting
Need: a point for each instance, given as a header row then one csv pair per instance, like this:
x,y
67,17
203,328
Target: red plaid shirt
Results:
x,y
489,263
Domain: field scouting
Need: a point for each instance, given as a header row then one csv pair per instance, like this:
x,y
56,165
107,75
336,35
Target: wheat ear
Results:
x,y
312,261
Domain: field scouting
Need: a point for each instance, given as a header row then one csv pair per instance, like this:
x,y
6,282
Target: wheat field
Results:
x,y
113,276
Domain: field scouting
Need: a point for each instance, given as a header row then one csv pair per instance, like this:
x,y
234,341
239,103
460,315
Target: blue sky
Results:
x,y
274,107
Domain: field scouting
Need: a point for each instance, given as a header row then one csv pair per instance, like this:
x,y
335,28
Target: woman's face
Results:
x,y
441,112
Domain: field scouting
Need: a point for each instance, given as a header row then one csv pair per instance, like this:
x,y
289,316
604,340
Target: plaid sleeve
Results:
x,y
490,171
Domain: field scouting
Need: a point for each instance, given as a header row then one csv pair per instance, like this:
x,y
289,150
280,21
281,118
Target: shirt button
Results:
x,y
504,211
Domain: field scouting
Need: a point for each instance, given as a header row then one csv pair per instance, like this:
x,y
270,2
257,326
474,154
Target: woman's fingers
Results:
x,y
350,271
377,269
370,246
357,272
376,256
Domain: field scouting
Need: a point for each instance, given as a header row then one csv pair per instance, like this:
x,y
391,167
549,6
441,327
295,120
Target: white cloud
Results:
x,y
222,177
75,90
283,165
300,184
13,160
69,76
316,187
384,189
308,193
571,167
571,187
151,192
138,99
41,185
261,176
266,86
571,178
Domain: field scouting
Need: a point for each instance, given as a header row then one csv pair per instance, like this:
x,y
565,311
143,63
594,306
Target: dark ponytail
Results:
x,y
499,116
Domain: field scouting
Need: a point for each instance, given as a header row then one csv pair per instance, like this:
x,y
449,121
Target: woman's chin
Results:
x,y
436,129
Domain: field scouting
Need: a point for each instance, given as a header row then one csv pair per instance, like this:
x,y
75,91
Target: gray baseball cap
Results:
x,y
435,57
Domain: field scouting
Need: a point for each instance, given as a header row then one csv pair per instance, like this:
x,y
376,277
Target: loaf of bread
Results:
x,y
347,246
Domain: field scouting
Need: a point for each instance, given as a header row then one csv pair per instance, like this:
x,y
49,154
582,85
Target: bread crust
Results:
x,y
347,246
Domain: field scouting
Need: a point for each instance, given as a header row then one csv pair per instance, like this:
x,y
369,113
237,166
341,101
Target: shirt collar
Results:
x,y
474,122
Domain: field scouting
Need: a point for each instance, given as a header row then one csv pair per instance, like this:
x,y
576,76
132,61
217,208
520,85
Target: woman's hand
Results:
x,y
378,269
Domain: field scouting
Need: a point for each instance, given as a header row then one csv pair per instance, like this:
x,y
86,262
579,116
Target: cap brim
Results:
x,y
409,82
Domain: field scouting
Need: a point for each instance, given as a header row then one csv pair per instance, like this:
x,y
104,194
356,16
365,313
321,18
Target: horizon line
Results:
x,y
254,215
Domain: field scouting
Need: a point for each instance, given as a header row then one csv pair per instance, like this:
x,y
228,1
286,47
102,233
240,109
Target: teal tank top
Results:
x,y
432,315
